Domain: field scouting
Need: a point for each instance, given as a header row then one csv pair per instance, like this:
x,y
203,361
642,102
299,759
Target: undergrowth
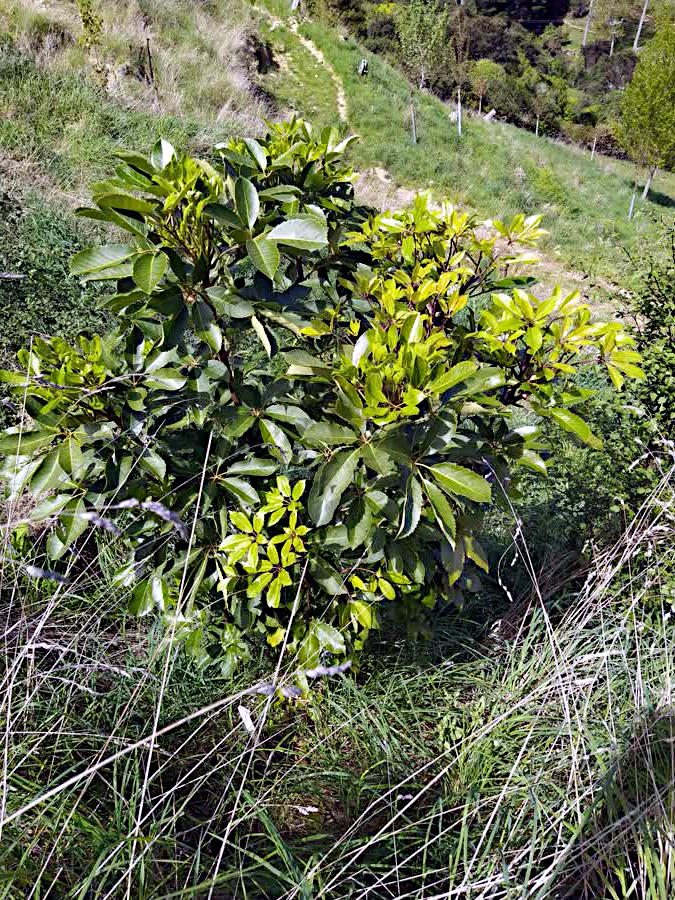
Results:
x,y
525,755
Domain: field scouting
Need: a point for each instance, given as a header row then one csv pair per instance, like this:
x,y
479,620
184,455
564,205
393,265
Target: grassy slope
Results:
x,y
59,129
496,169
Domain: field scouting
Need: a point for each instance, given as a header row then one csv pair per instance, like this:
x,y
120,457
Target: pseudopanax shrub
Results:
x,y
305,409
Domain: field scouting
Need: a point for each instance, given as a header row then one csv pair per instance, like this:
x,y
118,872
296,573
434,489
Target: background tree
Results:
x,y
483,74
422,29
647,126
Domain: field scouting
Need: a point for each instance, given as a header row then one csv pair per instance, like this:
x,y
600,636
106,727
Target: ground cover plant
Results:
x,y
524,755
305,409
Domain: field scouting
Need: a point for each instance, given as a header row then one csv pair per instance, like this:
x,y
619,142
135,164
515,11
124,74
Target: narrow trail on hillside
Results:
x,y
294,26
377,186
341,95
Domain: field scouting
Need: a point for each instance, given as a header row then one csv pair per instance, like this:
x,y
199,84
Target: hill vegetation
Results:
x,y
332,565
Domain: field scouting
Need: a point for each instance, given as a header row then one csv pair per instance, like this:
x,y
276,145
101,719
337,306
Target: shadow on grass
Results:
x,y
661,199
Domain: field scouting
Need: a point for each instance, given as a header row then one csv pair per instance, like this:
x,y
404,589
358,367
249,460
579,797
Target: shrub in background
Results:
x,y
652,308
305,411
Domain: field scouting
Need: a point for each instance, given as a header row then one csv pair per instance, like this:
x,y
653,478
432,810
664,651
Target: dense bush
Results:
x,y
305,411
653,311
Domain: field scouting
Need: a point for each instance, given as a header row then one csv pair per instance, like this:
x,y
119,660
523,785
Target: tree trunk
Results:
x,y
412,120
648,183
536,128
480,105
459,112
611,46
588,23
636,42
595,141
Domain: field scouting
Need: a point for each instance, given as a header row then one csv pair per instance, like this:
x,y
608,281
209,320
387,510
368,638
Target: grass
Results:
x,y
65,130
201,62
525,756
299,84
37,237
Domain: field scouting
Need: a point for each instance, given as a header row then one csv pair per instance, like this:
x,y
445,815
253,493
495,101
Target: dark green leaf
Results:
x,y
328,434
575,424
264,254
462,482
304,234
96,259
329,484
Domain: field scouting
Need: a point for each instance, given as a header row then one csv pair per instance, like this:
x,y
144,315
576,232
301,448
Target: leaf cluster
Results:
x,y
305,410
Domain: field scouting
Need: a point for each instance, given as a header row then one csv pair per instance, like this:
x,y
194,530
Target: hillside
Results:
x,y
206,70
335,569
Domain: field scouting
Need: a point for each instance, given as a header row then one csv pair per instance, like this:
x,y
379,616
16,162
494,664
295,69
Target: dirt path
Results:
x,y
294,25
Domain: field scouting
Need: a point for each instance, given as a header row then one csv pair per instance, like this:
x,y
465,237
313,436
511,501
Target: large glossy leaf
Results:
x,y
329,578
263,337
50,474
153,463
72,518
575,425
236,421
412,507
258,466
329,434
453,376
149,269
49,507
329,484
206,327
303,363
482,382
291,415
329,637
359,521
276,438
222,214
227,303
162,154
256,152
25,442
304,234
136,161
264,254
444,514
283,193
242,490
70,457
139,229
126,202
167,379
462,482
246,202
96,259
